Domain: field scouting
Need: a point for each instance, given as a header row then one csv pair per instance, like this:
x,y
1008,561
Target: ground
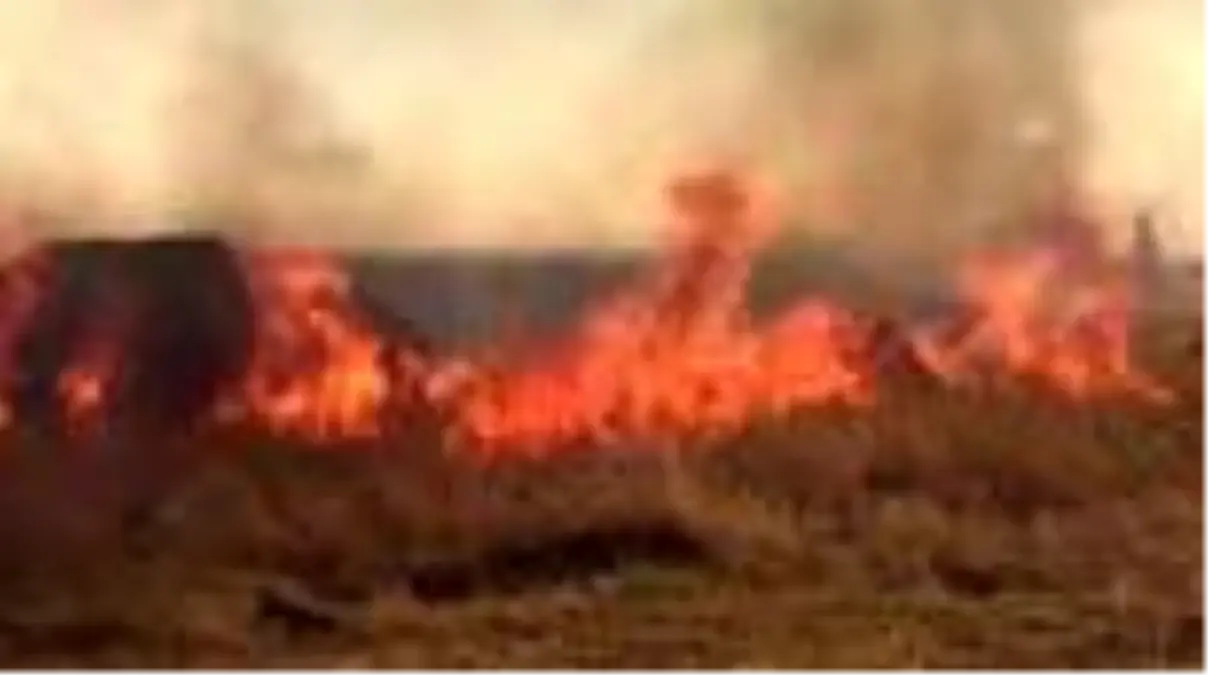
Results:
x,y
938,528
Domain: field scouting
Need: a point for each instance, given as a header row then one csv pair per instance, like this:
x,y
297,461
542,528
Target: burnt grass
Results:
x,y
1004,528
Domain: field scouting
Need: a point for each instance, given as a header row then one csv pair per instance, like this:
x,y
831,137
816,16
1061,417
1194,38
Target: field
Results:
x,y
814,492
938,528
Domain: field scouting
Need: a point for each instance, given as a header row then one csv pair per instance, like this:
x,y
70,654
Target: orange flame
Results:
x,y
1035,319
23,283
315,370
677,353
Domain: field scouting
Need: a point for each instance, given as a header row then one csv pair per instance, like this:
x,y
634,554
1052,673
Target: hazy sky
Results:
x,y
526,113
1142,65
521,122
498,115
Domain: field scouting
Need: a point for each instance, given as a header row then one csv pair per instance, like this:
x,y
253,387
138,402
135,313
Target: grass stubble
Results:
x,y
936,529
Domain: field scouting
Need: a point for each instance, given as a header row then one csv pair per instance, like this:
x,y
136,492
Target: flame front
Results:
x,y
677,353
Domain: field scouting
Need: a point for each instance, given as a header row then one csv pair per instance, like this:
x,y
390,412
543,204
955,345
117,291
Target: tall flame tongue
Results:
x,y
678,353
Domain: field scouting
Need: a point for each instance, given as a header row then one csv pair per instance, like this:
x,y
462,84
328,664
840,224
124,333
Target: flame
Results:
x,y
675,354
86,385
21,287
1033,318
315,370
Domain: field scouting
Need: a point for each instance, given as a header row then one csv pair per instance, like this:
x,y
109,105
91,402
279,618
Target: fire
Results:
x,y
22,284
1033,318
678,353
315,370
85,385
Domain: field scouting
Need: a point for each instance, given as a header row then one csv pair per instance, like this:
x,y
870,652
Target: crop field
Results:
x,y
670,481
1005,526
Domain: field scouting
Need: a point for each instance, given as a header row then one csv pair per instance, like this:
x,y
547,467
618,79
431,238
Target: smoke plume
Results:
x,y
450,123
517,124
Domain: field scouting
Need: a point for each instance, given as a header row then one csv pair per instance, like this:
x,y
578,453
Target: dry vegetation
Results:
x,y
939,529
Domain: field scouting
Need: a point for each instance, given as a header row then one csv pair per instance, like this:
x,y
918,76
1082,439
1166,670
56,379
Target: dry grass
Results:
x,y
936,530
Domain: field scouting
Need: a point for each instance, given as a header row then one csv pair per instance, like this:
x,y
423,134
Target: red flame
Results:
x,y
315,369
677,353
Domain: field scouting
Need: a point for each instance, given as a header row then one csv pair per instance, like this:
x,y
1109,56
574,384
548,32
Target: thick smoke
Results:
x,y
1143,90
367,123
518,124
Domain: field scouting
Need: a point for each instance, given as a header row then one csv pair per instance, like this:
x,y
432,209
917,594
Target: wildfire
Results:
x,y
315,370
677,353
1033,319
85,384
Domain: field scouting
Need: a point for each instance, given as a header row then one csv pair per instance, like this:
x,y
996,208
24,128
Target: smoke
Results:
x,y
78,107
1143,93
472,123
517,124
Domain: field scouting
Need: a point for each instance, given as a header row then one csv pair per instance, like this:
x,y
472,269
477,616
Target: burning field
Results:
x,y
223,456
102,334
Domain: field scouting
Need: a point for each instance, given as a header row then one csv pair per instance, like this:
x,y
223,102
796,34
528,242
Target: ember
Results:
x,y
149,330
